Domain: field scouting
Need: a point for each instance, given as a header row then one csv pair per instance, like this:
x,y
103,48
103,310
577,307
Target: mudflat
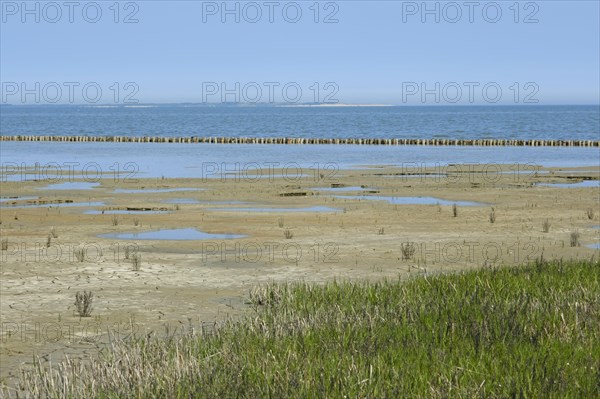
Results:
x,y
167,254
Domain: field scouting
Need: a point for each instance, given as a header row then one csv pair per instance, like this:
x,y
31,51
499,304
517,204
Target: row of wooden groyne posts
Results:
x,y
303,140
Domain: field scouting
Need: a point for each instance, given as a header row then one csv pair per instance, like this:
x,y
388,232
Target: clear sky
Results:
x,y
377,52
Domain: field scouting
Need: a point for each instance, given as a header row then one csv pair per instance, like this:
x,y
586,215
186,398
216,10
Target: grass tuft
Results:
x,y
136,261
408,250
79,254
84,303
492,216
590,213
546,226
574,238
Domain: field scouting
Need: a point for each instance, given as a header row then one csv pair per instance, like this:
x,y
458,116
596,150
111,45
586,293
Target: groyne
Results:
x,y
305,140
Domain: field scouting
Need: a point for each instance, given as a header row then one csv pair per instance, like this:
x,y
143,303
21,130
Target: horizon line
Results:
x,y
299,105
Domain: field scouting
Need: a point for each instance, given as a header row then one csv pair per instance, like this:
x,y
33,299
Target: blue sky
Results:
x,y
378,52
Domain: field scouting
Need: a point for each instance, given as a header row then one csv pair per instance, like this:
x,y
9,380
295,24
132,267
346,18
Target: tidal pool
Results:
x,y
410,200
154,191
171,235
341,189
7,199
274,210
76,185
432,176
61,205
122,212
585,183
182,201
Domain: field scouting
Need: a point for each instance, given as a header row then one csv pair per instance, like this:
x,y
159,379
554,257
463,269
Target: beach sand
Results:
x,y
192,284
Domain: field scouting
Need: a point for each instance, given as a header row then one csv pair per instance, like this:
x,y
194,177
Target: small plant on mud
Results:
x,y
136,221
136,261
575,238
454,210
79,254
280,222
5,244
115,220
53,233
492,216
590,213
48,241
408,250
546,226
288,234
83,303
381,231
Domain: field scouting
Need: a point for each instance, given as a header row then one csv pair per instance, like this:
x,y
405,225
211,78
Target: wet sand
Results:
x,y
194,283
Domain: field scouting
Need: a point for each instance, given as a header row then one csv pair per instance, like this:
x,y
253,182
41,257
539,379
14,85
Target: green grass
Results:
x,y
529,331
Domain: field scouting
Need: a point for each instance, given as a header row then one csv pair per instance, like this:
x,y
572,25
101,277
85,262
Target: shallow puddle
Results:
x,y
410,200
307,209
594,246
340,189
585,183
432,176
61,205
171,235
153,191
123,212
76,185
182,201
267,175
9,199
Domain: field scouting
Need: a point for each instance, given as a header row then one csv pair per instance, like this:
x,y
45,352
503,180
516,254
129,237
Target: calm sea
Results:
x,y
455,122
